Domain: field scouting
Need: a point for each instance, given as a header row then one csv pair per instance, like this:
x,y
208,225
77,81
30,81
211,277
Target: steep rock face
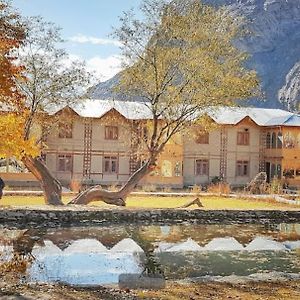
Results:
x,y
289,94
274,46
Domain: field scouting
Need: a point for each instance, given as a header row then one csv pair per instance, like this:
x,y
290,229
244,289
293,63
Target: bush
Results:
x,y
216,180
196,189
75,186
112,188
149,188
221,187
167,189
275,187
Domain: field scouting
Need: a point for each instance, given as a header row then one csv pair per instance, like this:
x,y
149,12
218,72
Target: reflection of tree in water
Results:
x,y
24,243
151,263
16,267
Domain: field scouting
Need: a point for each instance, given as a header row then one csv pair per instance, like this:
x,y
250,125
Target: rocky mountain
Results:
x,y
274,46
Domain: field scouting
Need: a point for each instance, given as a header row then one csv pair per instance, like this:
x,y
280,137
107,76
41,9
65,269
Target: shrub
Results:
x,y
196,189
275,187
149,188
167,189
221,187
112,188
75,185
216,180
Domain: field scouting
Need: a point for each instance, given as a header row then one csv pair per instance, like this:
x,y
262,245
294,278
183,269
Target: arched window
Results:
x,y
279,140
268,140
274,140
273,171
279,171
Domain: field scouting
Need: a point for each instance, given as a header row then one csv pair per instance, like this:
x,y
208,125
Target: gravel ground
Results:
x,y
289,290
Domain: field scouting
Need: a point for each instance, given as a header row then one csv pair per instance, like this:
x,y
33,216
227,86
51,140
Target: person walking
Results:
x,y
2,185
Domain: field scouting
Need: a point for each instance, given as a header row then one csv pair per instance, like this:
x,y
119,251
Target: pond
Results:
x,y
99,255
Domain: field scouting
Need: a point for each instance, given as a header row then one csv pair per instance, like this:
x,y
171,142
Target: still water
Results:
x,y
98,255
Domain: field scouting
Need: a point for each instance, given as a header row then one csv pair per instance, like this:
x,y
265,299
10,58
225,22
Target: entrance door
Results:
x,y
268,171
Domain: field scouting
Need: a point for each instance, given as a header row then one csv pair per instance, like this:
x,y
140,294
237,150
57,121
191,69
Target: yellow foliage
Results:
x,y
12,141
182,60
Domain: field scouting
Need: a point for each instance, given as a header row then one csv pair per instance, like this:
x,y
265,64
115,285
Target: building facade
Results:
x,y
95,145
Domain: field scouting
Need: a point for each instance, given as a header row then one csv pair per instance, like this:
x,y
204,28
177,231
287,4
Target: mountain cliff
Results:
x,y
274,46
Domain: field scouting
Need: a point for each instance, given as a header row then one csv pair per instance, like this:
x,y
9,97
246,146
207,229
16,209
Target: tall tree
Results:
x,y
180,58
12,34
52,80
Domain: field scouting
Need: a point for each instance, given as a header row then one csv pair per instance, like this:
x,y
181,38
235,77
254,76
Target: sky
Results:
x,y
86,27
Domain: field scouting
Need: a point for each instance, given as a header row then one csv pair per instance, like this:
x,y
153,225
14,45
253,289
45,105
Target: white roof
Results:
x,y
261,116
96,108
91,108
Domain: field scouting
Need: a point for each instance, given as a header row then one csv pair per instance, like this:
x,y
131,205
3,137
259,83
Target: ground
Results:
x,y
209,202
284,290
245,291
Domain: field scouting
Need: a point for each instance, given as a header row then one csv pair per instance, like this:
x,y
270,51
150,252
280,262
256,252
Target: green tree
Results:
x,y
180,59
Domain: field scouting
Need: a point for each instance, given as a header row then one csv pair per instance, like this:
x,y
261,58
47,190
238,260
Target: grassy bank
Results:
x,y
209,202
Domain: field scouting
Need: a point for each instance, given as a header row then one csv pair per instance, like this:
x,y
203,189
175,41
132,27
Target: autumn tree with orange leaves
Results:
x,y
12,110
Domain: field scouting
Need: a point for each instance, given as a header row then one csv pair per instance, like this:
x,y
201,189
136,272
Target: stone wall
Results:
x,y
67,217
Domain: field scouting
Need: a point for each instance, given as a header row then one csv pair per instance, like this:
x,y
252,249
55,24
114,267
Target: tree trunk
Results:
x,y
96,193
51,186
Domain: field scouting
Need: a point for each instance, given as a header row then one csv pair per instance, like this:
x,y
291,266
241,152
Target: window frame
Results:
x,y
242,164
243,138
199,166
202,138
111,132
65,130
63,157
110,159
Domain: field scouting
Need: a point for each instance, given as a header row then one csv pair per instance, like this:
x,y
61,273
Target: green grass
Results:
x,y
210,202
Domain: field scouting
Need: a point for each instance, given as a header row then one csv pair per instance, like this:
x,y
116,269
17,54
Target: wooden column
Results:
x,y
223,153
87,150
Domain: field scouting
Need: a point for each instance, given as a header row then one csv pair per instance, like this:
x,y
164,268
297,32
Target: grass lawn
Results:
x,y
209,202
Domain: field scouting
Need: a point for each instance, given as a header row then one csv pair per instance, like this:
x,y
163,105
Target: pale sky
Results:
x,y
86,26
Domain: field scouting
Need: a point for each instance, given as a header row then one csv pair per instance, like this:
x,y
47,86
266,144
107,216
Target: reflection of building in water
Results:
x,y
290,228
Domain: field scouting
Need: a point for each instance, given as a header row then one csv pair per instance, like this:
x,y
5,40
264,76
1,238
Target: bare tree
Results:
x,y
52,80
179,60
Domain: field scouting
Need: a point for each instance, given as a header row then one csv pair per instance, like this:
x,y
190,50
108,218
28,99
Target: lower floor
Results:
x,y
111,168
172,170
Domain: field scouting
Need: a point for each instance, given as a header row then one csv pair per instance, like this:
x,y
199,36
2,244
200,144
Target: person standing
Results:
x,y
2,185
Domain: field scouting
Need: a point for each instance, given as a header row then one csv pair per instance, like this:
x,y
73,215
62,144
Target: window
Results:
x,y
201,167
242,168
110,165
243,137
268,140
202,138
177,169
111,132
274,140
65,130
289,140
166,168
279,140
64,163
